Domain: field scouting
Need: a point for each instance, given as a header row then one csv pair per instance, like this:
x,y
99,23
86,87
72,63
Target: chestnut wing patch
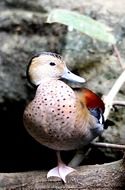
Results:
x,y
92,100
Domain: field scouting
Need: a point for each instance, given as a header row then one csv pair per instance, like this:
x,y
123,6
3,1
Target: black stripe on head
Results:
x,y
47,53
51,54
37,55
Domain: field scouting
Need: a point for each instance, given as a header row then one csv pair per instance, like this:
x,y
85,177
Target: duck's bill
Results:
x,y
69,76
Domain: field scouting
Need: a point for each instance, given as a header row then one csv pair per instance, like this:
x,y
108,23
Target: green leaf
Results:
x,y
82,23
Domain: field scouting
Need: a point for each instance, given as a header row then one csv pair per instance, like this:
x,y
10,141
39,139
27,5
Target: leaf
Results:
x,y
82,23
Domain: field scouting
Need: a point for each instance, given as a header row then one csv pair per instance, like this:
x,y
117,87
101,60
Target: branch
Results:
x,y
118,103
97,177
118,56
107,145
108,100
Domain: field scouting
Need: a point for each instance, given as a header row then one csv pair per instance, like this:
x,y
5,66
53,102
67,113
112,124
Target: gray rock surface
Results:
x,y
22,33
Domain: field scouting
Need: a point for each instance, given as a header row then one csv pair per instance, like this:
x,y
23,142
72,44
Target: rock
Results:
x,y
45,5
21,34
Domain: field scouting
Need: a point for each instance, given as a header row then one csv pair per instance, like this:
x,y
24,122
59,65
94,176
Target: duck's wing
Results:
x,y
95,105
93,102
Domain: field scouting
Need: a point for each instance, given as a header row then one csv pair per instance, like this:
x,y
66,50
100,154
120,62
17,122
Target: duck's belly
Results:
x,y
51,118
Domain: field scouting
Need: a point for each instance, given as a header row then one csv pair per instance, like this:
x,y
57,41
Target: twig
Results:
x,y
118,56
118,103
108,100
108,145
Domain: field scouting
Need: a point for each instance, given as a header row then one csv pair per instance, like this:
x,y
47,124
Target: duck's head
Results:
x,y
47,65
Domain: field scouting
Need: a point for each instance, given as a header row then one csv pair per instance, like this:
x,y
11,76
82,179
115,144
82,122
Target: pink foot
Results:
x,y
60,171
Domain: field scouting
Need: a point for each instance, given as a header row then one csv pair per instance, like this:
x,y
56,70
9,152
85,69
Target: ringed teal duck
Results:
x,y
60,117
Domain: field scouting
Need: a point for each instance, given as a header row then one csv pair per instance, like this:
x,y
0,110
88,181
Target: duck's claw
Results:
x,y
60,171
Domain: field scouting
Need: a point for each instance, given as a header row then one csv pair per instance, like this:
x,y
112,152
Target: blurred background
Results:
x,y
23,31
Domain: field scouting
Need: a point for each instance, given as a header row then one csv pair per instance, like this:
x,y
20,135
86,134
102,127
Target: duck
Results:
x,y
61,117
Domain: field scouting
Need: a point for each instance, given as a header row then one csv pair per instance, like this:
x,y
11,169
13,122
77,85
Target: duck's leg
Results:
x,y
61,170
80,155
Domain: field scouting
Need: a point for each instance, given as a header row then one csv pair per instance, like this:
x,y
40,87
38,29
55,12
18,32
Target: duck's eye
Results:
x,y
52,63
